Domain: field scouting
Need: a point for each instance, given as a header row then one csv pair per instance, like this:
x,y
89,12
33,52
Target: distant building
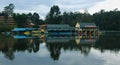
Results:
x,y
60,29
57,26
86,28
85,25
10,20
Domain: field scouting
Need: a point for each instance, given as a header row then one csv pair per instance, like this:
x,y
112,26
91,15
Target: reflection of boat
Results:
x,y
59,39
22,37
42,31
36,32
29,36
27,33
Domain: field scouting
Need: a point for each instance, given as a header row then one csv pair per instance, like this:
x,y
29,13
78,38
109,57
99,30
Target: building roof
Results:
x,y
82,25
57,26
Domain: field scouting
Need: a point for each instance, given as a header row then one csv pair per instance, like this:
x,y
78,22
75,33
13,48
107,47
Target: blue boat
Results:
x,y
23,29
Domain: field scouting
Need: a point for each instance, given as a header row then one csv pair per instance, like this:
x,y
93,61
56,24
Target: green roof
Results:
x,y
55,26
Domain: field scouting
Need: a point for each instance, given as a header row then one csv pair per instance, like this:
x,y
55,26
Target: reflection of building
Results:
x,y
55,44
85,39
66,39
77,39
59,39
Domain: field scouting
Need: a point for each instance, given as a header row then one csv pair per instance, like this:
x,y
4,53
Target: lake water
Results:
x,y
60,50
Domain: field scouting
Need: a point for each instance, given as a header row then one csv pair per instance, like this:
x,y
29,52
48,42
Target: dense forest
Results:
x,y
105,20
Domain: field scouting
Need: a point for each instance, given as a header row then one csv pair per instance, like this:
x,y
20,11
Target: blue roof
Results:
x,y
22,29
56,26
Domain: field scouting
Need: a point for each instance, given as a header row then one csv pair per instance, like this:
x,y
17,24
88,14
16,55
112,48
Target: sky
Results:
x,y
42,7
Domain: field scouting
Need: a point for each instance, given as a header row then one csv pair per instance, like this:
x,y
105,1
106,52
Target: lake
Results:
x,y
60,50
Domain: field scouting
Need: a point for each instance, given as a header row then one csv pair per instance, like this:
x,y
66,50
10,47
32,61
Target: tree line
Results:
x,y
23,18
105,20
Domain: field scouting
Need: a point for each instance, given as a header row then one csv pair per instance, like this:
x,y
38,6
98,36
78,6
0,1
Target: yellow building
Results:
x,y
77,26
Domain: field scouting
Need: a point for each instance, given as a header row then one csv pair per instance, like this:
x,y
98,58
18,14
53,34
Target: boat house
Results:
x,y
86,28
61,29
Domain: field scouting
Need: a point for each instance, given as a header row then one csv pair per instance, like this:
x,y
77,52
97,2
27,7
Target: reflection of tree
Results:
x,y
109,41
33,45
20,45
6,46
28,44
53,44
85,49
54,50
9,53
56,47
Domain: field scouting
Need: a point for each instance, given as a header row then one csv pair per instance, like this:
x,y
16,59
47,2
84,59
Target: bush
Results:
x,y
5,28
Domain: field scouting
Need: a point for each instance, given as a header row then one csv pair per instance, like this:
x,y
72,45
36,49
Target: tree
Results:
x,y
29,17
65,18
35,18
20,19
8,11
1,13
53,16
107,20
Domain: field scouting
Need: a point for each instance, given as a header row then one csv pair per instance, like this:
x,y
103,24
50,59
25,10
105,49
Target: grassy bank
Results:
x,y
4,28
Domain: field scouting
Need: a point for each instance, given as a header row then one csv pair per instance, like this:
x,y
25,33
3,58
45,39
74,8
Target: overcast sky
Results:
x,y
43,6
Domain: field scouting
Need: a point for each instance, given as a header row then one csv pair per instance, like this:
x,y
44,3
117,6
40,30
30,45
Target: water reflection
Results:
x,y
110,41
54,44
6,46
